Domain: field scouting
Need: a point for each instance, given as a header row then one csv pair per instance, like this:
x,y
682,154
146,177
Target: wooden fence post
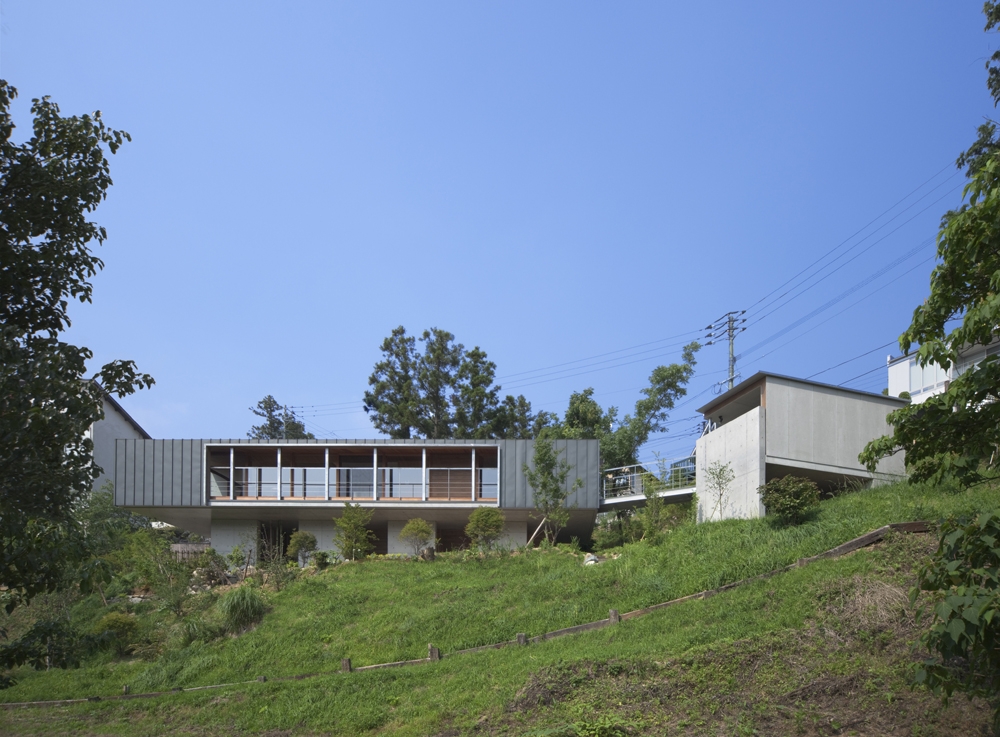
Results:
x,y
433,653
345,665
522,639
614,616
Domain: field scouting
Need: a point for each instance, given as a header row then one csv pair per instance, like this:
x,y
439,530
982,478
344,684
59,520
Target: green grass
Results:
x,y
386,611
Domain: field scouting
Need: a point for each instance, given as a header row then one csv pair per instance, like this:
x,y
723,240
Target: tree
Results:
x,y
436,378
354,540
485,527
301,545
548,481
443,391
955,435
476,399
585,418
418,534
393,400
48,188
718,477
280,423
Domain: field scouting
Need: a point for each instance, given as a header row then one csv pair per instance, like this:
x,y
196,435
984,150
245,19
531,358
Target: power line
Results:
x,y
891,342
846,240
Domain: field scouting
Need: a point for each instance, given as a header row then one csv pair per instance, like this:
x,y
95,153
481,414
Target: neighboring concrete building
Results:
x,y
229,490
117,424
771,426
906,375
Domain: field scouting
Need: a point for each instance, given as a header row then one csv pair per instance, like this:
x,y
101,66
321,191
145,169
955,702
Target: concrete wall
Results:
x,y
515,535
324,531
740,443
228,533
824,429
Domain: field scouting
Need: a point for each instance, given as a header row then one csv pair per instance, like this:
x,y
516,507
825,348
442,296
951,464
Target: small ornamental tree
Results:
x,y
485,527
789,498
417,534
548,481
301,545
718,477
354,540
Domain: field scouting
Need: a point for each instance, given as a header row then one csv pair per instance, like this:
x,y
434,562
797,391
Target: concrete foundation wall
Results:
x,y
822,428
228,533
515,535
740,443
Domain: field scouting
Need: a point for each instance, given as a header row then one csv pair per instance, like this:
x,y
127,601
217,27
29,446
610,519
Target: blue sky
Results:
x,y
574,185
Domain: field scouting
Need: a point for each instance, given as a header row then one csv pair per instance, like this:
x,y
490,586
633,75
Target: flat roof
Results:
x,y
723,398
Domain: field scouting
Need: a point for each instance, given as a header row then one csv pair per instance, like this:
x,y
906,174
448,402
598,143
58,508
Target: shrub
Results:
x,y
122,628
417,534
485,527
301,545
242,607
790,498
354,540
963,578
321,559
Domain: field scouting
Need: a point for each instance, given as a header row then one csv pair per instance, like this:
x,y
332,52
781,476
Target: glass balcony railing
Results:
x,y
409,484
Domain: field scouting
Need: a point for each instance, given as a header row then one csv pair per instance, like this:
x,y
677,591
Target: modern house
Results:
x,y
771,426
228,490
117,424
907,375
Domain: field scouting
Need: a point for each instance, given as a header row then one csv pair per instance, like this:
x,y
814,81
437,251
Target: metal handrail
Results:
x,y
678,473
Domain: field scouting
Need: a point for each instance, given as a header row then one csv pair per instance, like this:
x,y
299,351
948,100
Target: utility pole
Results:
x,y
729,325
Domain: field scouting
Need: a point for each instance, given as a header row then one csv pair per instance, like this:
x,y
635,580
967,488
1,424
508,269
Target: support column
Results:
x,y
232,468
279,473
423,474
473,474
499,474
326,473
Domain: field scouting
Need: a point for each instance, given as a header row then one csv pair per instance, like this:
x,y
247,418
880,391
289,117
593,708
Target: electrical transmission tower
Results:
x,y
731,325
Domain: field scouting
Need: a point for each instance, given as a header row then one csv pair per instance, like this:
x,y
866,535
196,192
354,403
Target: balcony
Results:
x,y
260,483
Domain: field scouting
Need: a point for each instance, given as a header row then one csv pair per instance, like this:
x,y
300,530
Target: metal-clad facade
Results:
x,y
153,473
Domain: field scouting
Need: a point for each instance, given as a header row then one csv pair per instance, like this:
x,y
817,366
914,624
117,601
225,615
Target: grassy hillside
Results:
x,y
685,668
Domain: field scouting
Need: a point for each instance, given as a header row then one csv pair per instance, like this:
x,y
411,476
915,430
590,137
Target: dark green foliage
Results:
x,y
280,423
963,579
417,533
485,527
789,499
321,559
354,540
242,607
442,391
48,187
547,478
301,545
122,629
47,644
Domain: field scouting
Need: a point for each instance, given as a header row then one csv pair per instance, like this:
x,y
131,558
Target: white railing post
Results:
x,y
326,474
232,474
279,473
374,474
423,475
473,474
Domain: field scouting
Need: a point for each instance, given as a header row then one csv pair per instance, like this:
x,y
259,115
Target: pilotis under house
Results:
x,y
228,490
